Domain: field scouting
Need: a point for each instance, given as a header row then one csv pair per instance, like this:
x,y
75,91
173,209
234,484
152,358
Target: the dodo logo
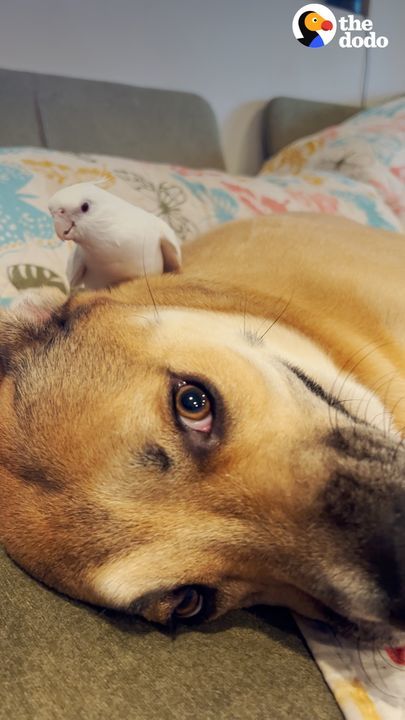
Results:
x,y
314,25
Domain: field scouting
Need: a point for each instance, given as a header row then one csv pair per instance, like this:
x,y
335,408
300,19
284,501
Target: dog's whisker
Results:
x,y
338,393
401,431
244,316
346,374
374,391
398,402
350,372
142,317
389,412
400,444
277,319
149,287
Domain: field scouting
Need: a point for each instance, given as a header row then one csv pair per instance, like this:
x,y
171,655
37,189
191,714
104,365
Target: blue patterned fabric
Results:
x,y
191,201
19,219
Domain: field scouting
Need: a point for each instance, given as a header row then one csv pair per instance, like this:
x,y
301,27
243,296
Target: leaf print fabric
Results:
x,y
191,201
26,277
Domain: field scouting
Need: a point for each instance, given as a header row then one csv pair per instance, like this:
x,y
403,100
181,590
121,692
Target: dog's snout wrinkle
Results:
x,y
368,480
364,442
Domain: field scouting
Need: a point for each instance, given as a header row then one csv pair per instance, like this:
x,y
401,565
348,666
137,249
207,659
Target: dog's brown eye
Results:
x,y
192,402
190,605
193,407
84,208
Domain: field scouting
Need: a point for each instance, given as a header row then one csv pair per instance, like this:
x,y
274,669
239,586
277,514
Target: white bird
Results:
x,y
115,241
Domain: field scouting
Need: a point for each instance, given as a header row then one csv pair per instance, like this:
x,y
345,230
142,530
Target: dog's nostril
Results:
x,y
398,620
397,615
386,550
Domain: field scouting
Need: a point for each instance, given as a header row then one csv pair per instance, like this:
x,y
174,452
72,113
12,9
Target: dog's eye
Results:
x,y
193,407
85,207
190,605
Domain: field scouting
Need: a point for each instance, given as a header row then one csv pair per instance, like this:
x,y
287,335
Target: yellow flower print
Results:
x,y
353,694
294,157
62,174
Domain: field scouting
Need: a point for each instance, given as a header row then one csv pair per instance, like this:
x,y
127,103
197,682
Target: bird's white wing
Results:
x,y
76,267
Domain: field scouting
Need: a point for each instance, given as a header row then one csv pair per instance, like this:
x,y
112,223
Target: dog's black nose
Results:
x,y
365,502
385,550
396,589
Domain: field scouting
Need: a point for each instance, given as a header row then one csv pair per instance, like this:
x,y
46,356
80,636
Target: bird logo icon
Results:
x,y
314,25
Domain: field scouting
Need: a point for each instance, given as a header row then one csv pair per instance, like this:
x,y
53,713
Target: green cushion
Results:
x,y
62,659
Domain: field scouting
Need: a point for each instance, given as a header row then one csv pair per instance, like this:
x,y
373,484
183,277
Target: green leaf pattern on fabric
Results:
x,y
25,276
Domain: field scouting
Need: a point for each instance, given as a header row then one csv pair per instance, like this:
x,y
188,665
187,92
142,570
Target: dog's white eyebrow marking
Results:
x,y
283,345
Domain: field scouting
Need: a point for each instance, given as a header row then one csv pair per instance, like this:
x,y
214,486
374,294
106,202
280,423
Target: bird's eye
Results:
x,y
315,20
190,605
84,208
193,407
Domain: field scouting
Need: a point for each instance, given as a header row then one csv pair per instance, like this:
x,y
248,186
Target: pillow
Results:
x,y
192,202
369,147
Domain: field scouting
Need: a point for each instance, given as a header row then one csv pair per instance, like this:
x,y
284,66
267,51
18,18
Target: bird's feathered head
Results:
x,y
78,208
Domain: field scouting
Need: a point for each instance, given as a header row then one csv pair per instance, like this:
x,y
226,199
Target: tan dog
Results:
x,y
219,438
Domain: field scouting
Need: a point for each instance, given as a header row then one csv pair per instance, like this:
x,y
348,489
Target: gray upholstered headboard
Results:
x,y
99,117
142,123
288,119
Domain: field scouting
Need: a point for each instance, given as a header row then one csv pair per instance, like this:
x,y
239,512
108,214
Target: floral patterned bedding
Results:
x,y
192,201
356,169
369,147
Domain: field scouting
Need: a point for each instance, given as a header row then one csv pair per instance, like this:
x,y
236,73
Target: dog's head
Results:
x,y
180,463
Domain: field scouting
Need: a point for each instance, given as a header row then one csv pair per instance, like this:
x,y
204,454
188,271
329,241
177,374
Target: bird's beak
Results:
x,y
63,225
327,25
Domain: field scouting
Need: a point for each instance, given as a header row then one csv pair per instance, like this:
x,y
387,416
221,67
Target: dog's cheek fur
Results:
x,y
73,506
68,502
74,516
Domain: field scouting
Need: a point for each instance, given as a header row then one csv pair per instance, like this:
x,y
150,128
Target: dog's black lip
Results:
x,y
356,629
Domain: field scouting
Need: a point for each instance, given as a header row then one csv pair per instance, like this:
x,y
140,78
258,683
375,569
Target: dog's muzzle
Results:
x,y
364,502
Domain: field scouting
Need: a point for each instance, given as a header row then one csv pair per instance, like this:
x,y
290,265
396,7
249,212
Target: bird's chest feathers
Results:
x,y
119,258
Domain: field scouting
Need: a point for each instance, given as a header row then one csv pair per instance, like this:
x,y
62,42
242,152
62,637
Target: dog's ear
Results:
x,y
27,319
